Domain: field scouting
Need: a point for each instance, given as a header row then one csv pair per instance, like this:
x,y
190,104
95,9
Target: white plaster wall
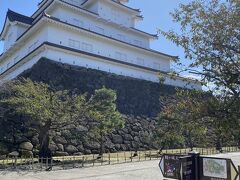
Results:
x,y
75,2
99,64
77,59
27,64
106,48
29,45
10,37
115,14
20,30
88,22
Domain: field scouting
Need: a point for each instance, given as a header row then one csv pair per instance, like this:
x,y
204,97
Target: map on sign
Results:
x,y
216,168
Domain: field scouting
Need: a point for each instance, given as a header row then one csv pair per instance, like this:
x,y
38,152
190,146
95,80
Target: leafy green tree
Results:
x,y
210,37
180,121
102,108
45,109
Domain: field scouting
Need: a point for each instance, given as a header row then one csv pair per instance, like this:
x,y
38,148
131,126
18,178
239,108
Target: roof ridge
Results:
x,y
15,16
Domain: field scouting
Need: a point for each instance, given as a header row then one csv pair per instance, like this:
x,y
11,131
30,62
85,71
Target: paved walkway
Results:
x,y
147,170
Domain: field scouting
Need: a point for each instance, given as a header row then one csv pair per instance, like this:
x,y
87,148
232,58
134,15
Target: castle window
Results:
x,y
71,43
77,22
74,43
137,42
87,47
121,56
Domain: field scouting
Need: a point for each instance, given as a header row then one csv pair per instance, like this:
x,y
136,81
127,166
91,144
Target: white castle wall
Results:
x,y
94,24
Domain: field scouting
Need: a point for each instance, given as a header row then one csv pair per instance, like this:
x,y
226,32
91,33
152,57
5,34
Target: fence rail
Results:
x,y
68,162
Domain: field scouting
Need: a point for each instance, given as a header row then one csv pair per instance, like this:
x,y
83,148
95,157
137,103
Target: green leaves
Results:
x,y
102,108
210,38
210,31
42,104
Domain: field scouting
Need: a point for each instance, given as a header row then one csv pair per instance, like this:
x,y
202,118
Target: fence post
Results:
x,y
63,162
93,159
117,158
15,162
109,158
125,157
139,156
83,161
150,155
131,156
73,161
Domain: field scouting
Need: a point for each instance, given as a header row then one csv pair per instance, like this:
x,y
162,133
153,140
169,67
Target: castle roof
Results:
x,y
15,17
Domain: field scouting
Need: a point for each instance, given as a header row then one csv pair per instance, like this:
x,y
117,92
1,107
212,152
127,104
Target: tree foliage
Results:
x,y
210,37
47,110
181,121
102,108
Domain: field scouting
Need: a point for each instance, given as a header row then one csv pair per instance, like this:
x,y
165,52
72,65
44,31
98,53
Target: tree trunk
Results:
x,y
162,148
44,139
101,151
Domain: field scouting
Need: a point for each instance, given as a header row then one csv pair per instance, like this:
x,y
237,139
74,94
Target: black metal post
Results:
x,y
195,156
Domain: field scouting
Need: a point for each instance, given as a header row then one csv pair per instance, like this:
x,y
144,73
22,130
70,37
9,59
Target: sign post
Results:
x,y
187,168
196,167
170,166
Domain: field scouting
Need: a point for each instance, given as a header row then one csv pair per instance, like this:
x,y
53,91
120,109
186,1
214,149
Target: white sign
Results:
x,y
216,168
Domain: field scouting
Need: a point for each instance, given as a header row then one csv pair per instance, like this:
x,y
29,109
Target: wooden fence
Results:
x,y
68,162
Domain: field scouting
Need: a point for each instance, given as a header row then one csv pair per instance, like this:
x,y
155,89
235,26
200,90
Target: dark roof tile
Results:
x,y
13,16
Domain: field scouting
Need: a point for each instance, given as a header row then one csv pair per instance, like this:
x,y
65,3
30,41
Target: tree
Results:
x,y
180,121
210,37
46,110
102,108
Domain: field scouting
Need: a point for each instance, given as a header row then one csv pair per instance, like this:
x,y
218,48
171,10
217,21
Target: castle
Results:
x,y
95,34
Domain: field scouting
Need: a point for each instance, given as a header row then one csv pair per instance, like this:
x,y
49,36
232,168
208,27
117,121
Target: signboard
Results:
x,y
187,168
195,167
170,166
217,169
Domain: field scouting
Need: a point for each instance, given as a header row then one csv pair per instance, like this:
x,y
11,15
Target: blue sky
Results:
x,y
155,12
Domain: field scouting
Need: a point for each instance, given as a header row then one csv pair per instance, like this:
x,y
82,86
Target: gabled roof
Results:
x,y
14,16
